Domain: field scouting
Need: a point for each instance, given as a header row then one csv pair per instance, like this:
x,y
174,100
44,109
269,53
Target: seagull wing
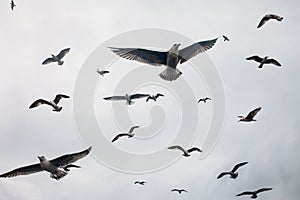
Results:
x,y
245,193
196,48
263,20
118,136
255,58
177,147
47,61
238,166
159,95
263,190
273,16
115,98
254,112
222,174
30,169
139,96
175,190
39,102
63,52
70,158
155,58
59,97
194,149
272,61
132,128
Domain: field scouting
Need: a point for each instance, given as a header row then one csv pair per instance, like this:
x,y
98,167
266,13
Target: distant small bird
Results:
x,y
140,182
57,58
179,190
250,116
129,134
225,38
186,153
58,167
233,174
254,193
128,98
267,18
154,97
169,58
204,99
53,103
102,72
264,60
12,5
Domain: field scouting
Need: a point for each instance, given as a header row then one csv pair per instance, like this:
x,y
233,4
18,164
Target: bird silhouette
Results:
x,y
179,190
204,99
129,134
128,98
254,193
186,153
233,173
267,18
154,97
102,72
250,116
53,104
57,58
265,60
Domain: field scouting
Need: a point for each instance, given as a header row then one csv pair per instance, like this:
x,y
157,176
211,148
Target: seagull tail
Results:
x,y
60,62
170,74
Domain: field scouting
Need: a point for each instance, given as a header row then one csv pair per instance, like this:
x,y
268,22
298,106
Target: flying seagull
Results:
x,y
102,72
204,99
225,38
267,18
168,58
12,5
233,173
179,190
140,182
264,60
128,98
154,97
254,193
186,153
129,134
53,103
250,116
57,58
58,167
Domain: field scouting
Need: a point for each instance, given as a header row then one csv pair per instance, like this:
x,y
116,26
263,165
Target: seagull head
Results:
x,y
41,158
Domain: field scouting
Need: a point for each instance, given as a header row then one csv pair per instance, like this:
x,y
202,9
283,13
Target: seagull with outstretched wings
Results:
x,y
168,58
250,116
58,167
267,18
154,97
128,98
57,58
204,99
265,60
225,38
53,104
233,173
140,182
102,72
187,152
254,193
179,190
130,134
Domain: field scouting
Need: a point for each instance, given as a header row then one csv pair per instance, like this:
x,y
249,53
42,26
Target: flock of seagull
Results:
x,y
60,166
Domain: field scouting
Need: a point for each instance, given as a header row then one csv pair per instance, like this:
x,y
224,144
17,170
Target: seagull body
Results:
x,y
233,173
265,60
57,58
128,98
102,72
129,134
53,104
250,116
204,99
179,190
169,58
186,153
254,193
58,167
225,38
267,18
12,5
140,182
154,97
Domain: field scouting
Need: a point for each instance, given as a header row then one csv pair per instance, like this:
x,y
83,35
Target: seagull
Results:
x,y
12,5
265,60
267,18
254,193
128,98
53,103
102,72
129,134
225,38
179,190
204,99
168,58
250,116
57,58
154,97
58,167
233,174
140,182
185,152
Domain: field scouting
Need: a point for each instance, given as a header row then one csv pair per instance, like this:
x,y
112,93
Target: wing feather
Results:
x,y
63,52
47,61
39,102
238,166
30,169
